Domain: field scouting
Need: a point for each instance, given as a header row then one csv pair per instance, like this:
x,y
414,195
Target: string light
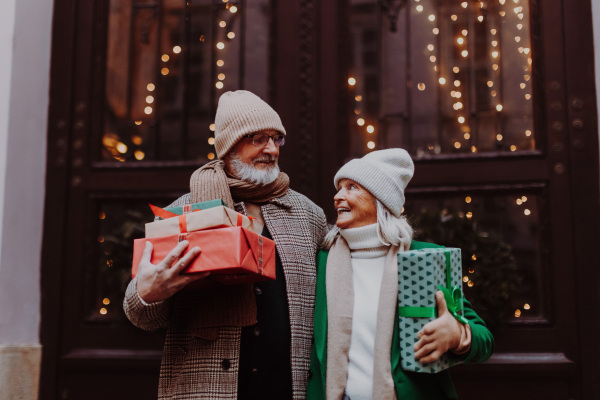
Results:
x,y
360,122
165,57
139,155
351,81
177,49
150,87
371,145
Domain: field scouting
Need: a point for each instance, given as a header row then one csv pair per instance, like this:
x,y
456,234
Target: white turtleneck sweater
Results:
x,y
368,258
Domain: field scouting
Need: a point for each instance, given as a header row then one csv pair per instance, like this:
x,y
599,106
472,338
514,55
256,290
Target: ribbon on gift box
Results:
x,y
453,297
183,231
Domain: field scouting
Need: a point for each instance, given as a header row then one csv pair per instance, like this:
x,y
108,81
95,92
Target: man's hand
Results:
x,y
441,335
161,281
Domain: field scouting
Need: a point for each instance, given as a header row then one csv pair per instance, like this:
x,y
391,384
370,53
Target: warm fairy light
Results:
x,y
464,4
480,18
522,85
519,26
457,83
371,145
148,110
435,31
211,127
150,87
222,24
527,211
464,32
495,67
442,81
517,39
220,63
211,141
464,53
526,50
461,119
101,239
221,76
138,123
458,95
513,148
432,58
494,43
470,283
453,17
495,54
431,17
465,279
469,215
219,85
421,86
458,105
102,215
523,199
456,70
137,140
527,78
121,148
499,137
502,2
468,199
490,83
467,136
457,145
164,71
360,122
527,96
493,31
233,9
231,35
177,49
103,311
351,81
526,306
499,107
139,155
106,301
356,111
493,93
220,45
430,47
517,313
210,156
474,257
149,99
460,40
519,202
165,57
201,38
527,133
473,149
358,98
370,129
471,270
502,13
419,8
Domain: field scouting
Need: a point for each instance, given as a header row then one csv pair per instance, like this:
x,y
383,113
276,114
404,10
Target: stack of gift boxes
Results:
x,y
231,246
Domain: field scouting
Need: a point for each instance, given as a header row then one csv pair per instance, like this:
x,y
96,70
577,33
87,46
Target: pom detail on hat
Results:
x,y
384,173
240,113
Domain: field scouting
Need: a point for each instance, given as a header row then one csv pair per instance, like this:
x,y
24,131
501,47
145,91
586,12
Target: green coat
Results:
x,y
409,385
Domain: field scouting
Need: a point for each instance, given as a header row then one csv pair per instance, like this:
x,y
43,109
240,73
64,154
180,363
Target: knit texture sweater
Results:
x,y
368,260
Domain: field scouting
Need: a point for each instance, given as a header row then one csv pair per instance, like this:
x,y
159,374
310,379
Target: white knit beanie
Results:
x,y
384,173
240,113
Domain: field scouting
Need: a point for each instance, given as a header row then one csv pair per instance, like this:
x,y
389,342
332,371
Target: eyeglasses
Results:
x,y
261,139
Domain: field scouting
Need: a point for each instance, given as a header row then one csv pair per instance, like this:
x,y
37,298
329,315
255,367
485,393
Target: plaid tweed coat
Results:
x,y
193,368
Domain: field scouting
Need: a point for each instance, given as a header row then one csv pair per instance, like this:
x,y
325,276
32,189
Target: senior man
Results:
x,y
247,341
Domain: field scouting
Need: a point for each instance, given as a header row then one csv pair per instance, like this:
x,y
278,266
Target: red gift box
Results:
x,y
233,255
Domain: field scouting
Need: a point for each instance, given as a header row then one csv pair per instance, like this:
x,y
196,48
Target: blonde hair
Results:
x,y
391,230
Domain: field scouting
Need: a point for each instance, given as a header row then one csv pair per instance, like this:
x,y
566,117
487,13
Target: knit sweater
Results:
x,y
367,258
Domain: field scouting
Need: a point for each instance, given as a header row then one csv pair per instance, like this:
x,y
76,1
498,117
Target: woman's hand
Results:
x,y
161,281
443,334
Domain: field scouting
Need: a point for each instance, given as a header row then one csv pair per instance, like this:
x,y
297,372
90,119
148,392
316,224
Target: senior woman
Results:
x,y
356,352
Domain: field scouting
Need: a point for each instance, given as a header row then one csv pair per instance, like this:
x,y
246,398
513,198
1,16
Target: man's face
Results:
x,y
253,162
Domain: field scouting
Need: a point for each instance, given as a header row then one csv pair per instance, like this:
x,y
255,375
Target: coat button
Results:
x,y
226,364
310,373
254,371
257,290
256,331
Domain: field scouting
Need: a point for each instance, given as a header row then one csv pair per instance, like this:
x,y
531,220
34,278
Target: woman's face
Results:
x,y
355,206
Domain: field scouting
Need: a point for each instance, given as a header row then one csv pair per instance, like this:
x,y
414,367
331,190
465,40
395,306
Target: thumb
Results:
x,y
441,302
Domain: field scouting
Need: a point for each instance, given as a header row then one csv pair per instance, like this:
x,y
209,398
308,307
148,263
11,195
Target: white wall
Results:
x,y
25,38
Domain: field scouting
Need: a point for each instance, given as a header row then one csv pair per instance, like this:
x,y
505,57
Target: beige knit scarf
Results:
x,y
227,305
340,307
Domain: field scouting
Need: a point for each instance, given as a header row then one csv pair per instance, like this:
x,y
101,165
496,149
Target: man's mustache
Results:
x,y
265,159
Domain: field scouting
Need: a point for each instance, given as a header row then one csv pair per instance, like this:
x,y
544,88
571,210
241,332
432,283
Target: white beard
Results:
x,y
251,174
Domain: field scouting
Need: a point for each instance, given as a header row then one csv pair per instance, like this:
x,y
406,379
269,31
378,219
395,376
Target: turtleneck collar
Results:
x,y
364,242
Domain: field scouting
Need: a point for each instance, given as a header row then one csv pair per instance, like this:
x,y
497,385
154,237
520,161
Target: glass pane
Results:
x,y
167,64
441,77
500,243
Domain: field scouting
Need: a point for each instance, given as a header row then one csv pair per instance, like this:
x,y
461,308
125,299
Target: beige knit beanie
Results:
x,y
240,113
384,173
